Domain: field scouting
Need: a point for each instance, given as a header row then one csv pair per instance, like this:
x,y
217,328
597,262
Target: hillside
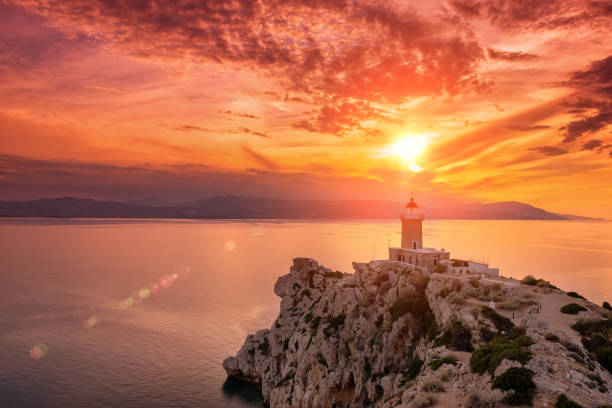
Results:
x,y
234,207
388,335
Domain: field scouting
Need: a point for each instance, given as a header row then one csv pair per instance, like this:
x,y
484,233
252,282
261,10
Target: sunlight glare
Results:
x,y
408,149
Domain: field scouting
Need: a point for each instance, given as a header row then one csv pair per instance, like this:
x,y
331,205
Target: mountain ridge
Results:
x,y
241,207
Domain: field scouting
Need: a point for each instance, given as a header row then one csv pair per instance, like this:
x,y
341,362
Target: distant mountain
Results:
x,y
236,207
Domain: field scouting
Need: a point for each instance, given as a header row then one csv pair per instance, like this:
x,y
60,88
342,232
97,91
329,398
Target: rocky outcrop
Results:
x,y
388,335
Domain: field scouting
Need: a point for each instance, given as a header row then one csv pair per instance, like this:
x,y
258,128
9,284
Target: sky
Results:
x,y
483,101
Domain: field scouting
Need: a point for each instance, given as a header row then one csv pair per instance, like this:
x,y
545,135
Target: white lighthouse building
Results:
x,y
412,250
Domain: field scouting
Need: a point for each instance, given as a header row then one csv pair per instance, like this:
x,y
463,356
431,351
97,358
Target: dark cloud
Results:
x,y
253,132
527,128
517,15
510,55
592,144
260,158
319,51
239,114
549,150
192,128
593,91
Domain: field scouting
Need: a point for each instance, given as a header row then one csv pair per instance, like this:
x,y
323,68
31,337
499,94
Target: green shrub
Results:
x,y
564,402
435,364
606,305
433,386
595,338
572,308
519,384
456,337
552,337
511,304
486,334
574,295
501,323
511,347
424,401
264,347
456,298
529,280
474,400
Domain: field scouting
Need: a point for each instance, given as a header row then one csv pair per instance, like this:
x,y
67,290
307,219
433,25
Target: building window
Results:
x,y
435,261
410,259
414,245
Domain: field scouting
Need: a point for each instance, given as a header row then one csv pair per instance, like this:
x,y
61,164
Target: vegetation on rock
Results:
x,y
456,337
519,384
572,308
596,339
574,295
514,347
435,364
501,323
564,402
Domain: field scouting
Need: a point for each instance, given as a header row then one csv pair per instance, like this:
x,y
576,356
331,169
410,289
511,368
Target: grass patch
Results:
x,y
456,298
564,402
424,401
456,337
518,382
596,339
514,347
501,323
433,386
540,283
575,295
572,308
511,304
435,364
474,400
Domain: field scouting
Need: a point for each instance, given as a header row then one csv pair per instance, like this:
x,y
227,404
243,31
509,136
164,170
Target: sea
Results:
x,y
141,313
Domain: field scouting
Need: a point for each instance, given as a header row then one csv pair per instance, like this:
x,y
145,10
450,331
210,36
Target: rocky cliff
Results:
x,y
388,336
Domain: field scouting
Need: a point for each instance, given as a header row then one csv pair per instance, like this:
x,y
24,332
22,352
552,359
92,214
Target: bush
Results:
x,y
574,295
456,298
572,308
486,334
435,364
474,400
424,401
529,280
511,347
595,339
413,369
456,337
564,402
333,323
518,381
501,323
511,304
433,386
552,337
606,305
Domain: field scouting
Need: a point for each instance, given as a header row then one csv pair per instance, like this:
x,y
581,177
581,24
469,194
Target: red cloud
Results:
x,y
318,50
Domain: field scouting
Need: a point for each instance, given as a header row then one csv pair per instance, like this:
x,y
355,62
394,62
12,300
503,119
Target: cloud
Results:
x,y
260,158
528,128
324,52
510,55
593,90
192,128
515,15
338,118
241,115
253,132
549,150
592,144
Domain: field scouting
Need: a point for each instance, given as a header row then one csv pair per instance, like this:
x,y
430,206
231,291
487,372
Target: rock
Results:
x,y
354,338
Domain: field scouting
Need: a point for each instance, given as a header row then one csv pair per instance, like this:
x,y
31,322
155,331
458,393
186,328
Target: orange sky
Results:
x,y
181,100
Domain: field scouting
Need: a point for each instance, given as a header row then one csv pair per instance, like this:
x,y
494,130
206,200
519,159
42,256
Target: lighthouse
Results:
x,y
412,226
411,250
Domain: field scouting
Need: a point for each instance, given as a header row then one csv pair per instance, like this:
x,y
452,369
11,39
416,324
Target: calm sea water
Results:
x,y
71,336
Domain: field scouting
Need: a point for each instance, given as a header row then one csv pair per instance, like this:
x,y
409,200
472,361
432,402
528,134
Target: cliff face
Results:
x,y
390,336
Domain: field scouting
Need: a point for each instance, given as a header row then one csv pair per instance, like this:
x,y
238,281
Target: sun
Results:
x,y
408,149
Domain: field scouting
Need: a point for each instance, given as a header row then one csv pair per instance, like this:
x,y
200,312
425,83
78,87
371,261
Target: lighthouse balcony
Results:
x,y
407,216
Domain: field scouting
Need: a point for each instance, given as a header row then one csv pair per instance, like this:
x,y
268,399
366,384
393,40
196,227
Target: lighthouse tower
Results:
x,y
412,227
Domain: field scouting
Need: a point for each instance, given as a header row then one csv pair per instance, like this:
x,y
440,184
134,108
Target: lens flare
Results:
x,y
38,351
230,246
